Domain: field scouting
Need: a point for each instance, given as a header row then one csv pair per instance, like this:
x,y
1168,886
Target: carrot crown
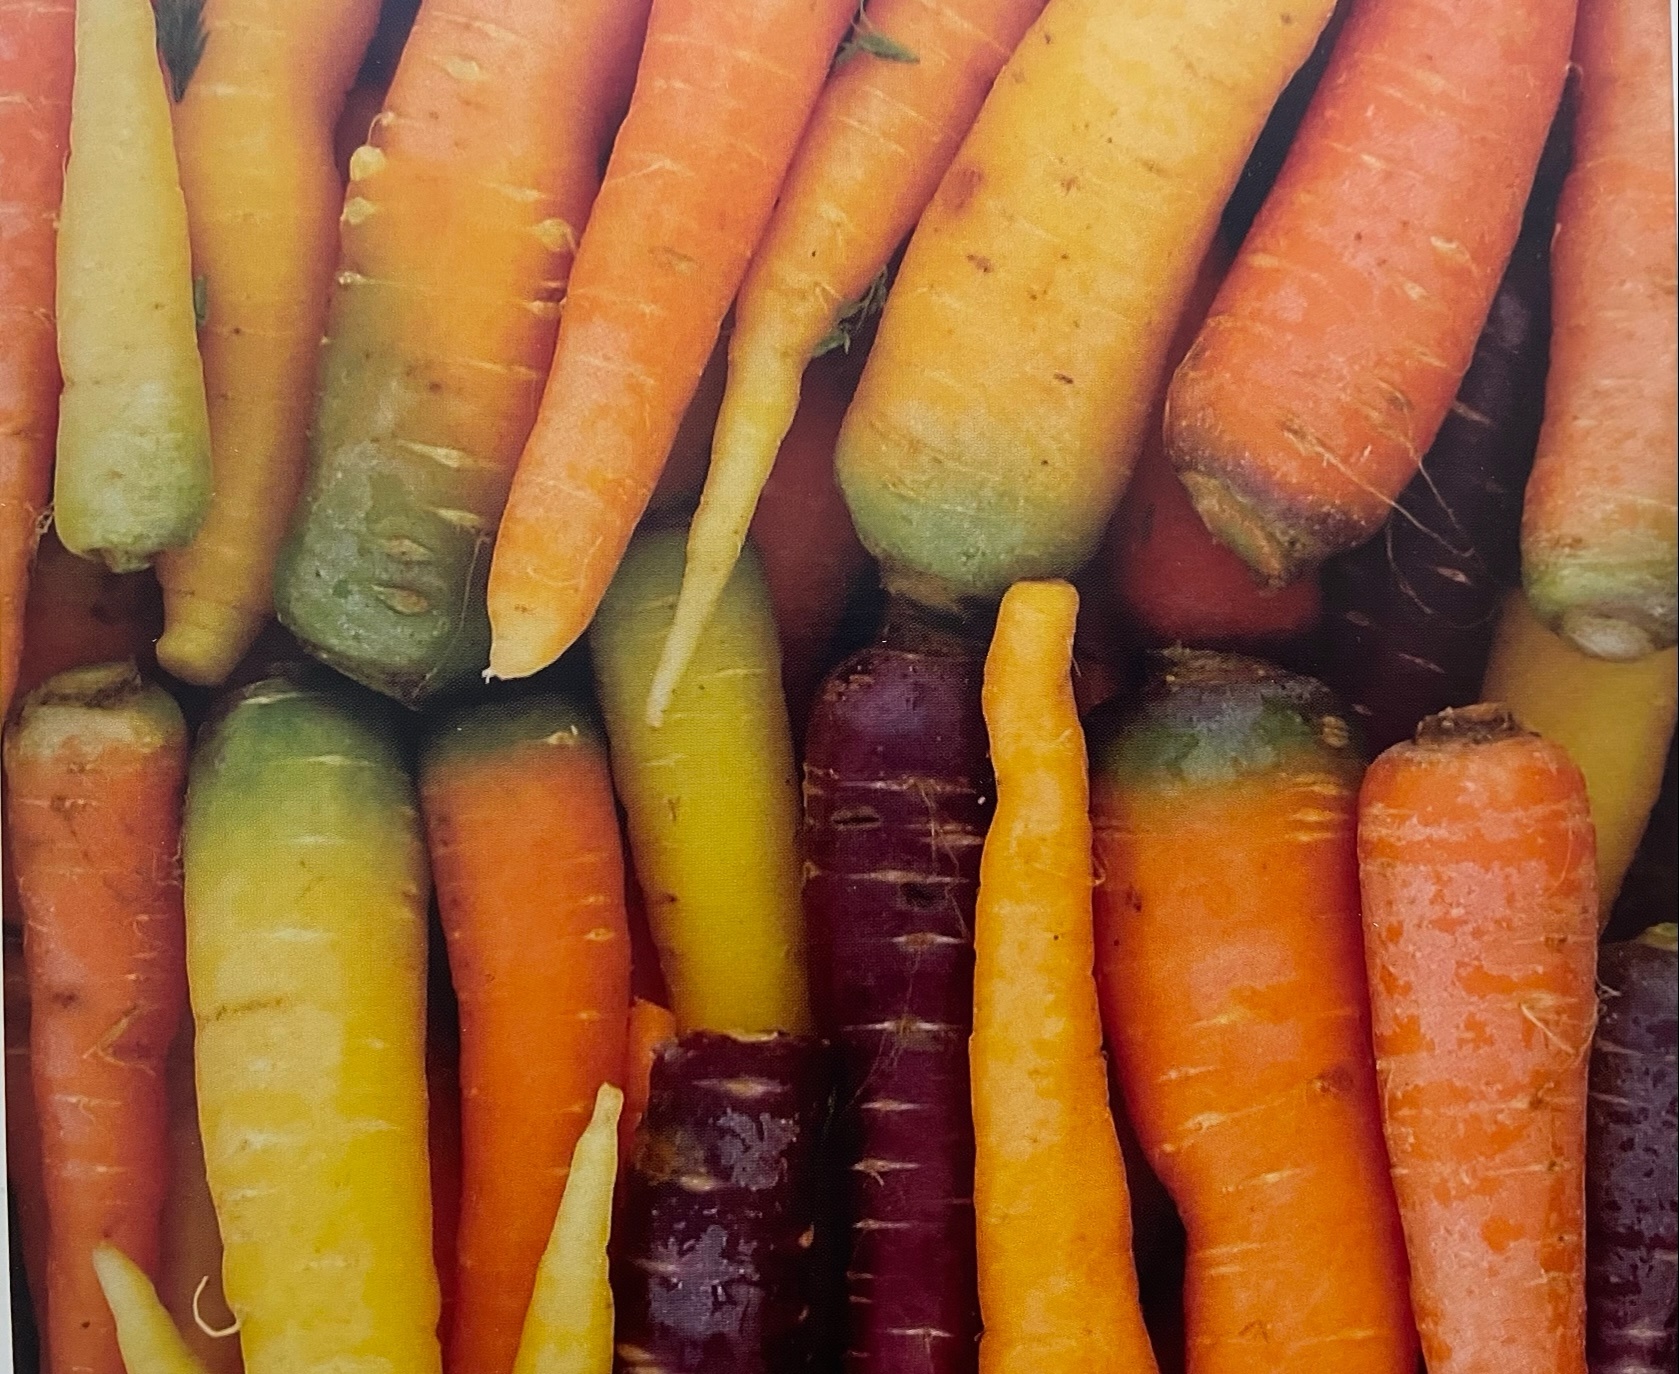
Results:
x,y
1209,718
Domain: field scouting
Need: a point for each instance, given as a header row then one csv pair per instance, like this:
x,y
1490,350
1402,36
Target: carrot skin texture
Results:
x,y
1040,1083
1480,918
1599,554
713,1280
1632,1120
95,768
253,137
670,243
1411,613
306,892
1024,340
880,137
132,475
1340,336
25,1179
37,63
487,152
522,832
1235,1007
711,796
650,1026
898,793
1615,720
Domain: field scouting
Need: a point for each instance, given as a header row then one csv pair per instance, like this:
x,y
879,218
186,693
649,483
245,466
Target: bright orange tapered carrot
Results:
x,y
721,97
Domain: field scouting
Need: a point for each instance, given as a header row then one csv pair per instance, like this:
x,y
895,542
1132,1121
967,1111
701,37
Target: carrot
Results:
x,y
881,136
1057,1285
37,47
95,765
461,217
25,1179
253,135
812,560
150,1342
189,1272
523,836
1232,983
711,797
650,1026
1340,336
1632,1181
1650,890
1024,340
133,470
721,97
1172,581
1480,928
568,1329
898,792
1615,720
711,1252
1598,544
306,891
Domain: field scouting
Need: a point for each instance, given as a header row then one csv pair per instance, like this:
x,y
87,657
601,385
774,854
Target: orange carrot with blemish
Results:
x,y
37,64
95,771
1339,338
721,97
523,834
1599,553
1057,1285
1480,926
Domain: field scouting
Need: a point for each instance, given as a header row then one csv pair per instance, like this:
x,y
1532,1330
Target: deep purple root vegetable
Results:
x,y
898,793
1409,617
713,1244
1632,1160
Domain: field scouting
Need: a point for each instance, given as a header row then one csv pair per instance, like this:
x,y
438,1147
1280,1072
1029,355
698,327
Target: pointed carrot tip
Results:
x,y
523,643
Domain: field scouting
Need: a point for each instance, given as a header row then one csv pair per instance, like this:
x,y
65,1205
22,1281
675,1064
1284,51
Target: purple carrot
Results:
x,y
898,793
713,1243
1409,616
1632,1173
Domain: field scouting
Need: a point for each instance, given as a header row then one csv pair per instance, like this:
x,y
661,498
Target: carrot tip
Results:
x,y
202,639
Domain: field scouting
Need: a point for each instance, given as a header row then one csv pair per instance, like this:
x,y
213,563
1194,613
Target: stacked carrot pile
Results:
x,y
1038,650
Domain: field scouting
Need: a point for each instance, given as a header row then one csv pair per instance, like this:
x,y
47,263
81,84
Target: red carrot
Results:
x,y
721,97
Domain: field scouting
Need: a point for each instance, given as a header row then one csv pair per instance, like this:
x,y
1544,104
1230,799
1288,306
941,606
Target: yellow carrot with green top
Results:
x,y
306,896
133,468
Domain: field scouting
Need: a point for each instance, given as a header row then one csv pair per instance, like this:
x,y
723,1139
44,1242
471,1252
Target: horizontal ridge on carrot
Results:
x,y
886,127
1600,557
1230,962
1480,923
459,223
721,97
1339,338
526,857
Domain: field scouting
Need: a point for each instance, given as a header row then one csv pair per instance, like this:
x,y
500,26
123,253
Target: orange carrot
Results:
x,y
1338,341
1598,545
812,558
460,220
1480,924
24,1178
1174,582
523,833
650,1026
1057,1285
721,97
1232,978
883,133
37,62
95,770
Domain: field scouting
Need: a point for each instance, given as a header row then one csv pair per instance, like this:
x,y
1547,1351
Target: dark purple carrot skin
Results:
x,y
1409,616
713,1244
898,793
1632,1160
1650,891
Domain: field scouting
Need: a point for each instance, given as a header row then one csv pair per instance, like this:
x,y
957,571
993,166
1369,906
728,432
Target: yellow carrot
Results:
x,y
133,474
253,133
568,1329
1614,718
146,1335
